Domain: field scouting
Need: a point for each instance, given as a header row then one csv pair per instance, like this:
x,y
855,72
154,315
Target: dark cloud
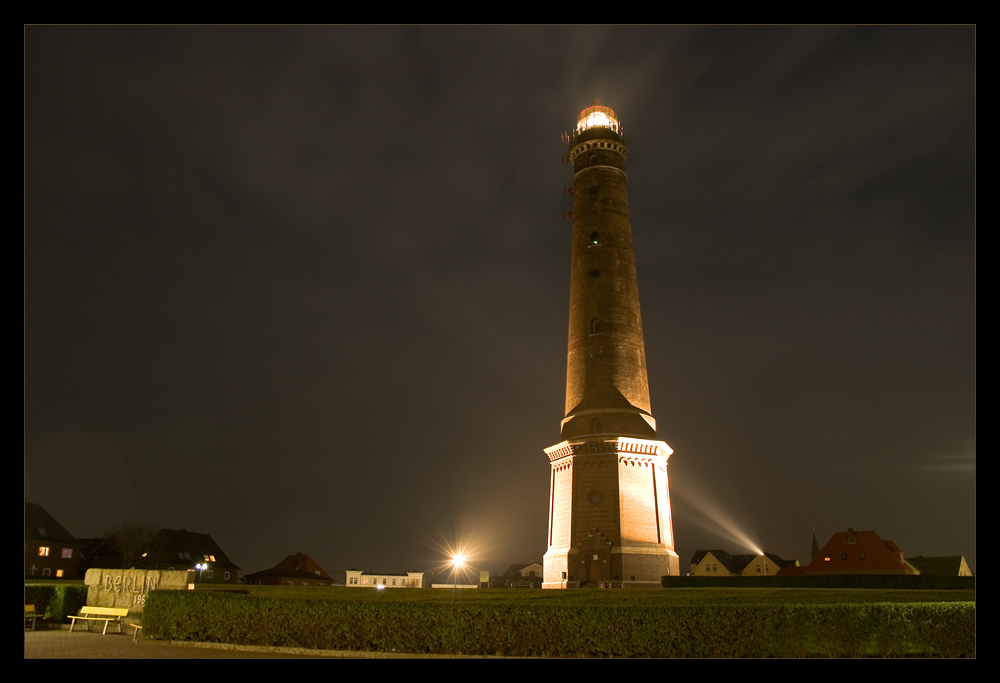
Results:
x,y
305,289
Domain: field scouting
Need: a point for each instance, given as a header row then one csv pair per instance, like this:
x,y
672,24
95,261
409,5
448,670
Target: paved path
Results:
x,y
61,644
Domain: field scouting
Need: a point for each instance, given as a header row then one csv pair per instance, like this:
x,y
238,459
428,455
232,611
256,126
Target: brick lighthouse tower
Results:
x,y
609,503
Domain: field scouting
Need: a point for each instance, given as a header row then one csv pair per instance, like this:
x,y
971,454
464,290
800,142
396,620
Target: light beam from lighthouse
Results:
x,y
609,508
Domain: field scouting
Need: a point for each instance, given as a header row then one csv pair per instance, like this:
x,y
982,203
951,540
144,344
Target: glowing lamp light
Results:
x,y
597,117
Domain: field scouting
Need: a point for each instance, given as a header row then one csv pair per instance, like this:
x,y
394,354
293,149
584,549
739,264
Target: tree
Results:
x,y
126,543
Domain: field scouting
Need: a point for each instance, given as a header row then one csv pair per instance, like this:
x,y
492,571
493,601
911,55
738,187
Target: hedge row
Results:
x,y
873,581
880,629
55,601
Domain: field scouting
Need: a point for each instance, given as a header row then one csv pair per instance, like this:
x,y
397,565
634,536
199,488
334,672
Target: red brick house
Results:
x,y
294,570
859,552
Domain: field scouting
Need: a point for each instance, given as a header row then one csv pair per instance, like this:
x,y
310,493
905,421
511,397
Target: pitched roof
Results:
x,y
39,525
940,566
859,552
297,566
724,558
186,547
287,574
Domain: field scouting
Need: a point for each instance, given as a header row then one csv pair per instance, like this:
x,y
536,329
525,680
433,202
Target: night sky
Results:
x,y
307,289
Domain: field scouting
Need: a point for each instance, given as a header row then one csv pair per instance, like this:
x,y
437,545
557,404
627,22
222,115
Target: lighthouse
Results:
x,y
609,500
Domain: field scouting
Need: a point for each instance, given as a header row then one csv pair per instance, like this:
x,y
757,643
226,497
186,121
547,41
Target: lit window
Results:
x,y
67,553
826,559
59,573
209,558
43,551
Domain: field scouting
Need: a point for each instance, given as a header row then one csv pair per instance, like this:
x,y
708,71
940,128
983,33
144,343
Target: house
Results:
x,y
183,549
954,565
519,576
859,552
721,563
294,570
359,579
49,550
713,563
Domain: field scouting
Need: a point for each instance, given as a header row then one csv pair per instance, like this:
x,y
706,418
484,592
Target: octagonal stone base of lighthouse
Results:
x,y
609,514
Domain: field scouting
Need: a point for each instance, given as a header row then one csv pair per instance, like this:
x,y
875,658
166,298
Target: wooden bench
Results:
x,y
105,614
29,615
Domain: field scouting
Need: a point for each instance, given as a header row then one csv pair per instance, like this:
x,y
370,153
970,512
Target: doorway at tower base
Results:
x,y
627,568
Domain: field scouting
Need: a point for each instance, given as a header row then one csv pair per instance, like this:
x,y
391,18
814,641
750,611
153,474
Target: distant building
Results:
x,y
360,579
721,563
294,570
183,549
954,565
519,576
858,552
49,550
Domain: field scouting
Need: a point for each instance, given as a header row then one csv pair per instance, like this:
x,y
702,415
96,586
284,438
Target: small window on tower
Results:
x,y
595,273
592,160
595,326
594,237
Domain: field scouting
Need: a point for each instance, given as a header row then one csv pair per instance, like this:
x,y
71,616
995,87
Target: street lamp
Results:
x,y
458,562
